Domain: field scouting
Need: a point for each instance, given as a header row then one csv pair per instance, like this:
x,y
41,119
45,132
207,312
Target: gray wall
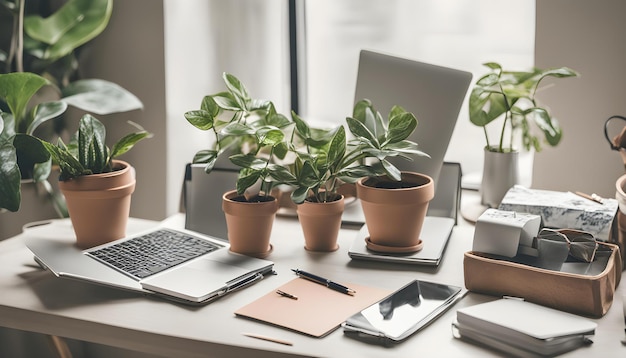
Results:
x,y
130,52
587,36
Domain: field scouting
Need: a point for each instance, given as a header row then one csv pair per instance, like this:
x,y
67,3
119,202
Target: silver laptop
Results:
x,y
181,265
435,95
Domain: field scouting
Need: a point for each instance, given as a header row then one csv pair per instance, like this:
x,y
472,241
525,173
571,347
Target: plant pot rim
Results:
x,y
427,180
231,194
494,149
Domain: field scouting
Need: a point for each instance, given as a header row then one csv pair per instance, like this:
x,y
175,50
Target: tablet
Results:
x,y
402,313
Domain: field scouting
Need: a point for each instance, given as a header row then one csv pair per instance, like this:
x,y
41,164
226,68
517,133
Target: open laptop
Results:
x,y
200,270
435,95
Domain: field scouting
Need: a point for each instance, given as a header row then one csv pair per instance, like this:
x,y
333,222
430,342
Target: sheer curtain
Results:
x,y
461,34
203,39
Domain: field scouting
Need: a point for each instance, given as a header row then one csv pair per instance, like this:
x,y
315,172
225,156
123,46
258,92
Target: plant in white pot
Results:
x,y
510,96
330,160
253,131
96,186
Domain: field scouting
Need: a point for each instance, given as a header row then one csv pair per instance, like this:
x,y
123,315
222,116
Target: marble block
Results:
x,y
563,209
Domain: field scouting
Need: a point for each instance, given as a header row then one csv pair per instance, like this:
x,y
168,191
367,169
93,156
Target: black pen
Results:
x,y
324,281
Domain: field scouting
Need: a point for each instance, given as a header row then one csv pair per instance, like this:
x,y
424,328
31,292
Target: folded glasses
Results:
x,y
582,245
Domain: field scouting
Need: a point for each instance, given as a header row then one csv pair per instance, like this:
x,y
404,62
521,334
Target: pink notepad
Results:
x,y
318,309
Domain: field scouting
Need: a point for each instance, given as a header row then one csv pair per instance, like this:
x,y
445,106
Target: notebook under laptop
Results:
x,y
435,95
190,277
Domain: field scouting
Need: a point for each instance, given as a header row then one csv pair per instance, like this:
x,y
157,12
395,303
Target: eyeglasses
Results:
x,y
582,245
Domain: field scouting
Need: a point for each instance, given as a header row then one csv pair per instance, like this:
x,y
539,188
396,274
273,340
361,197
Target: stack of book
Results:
x,y
522,328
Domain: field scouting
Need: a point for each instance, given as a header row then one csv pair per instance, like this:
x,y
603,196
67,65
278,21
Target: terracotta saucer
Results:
x,y
393,249
260,255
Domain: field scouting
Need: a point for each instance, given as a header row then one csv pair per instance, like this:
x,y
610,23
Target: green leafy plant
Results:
x,y
87,153
329,159
249,130
511,95
23,155
42,55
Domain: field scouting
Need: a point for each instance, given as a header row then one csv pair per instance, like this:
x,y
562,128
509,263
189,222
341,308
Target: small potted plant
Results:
x,y
96,186
250,131
330,160
510,97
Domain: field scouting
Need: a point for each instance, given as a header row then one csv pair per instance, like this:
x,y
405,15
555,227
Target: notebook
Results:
x,y
189,277
517,326
317,310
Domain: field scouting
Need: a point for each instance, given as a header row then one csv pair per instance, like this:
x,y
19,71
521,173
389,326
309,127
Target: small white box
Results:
x,y
500,232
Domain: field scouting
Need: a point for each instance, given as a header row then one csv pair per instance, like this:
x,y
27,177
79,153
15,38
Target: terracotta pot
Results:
x,y
500,173
320,224
99,204
394,216
249,224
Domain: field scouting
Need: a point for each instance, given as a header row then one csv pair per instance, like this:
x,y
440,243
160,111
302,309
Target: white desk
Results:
x,y
34,300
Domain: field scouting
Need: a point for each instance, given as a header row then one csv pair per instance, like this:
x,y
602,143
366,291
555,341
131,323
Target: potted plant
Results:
x,y
511,97
38,80
96,186
250,132
329,160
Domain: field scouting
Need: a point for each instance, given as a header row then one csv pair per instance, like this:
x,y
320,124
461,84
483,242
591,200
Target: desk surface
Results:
x,y
34,300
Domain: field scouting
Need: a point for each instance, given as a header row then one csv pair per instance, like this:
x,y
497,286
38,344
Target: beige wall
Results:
x,y
587,36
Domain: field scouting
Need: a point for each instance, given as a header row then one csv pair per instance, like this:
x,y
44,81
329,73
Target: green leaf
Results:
x,y
205,156
239,91
208,104
127,142
299,195
401,126
248,161
17,88
358,129
236,129
69,165
74,24
200,119
391,170
246,181
226,101
44,112
281,174
549,125
302,128
269,136
92,152
100,97
337,148
10,195
29,150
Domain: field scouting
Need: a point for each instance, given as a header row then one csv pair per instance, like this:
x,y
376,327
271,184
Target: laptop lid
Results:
x,y
196,281
433,93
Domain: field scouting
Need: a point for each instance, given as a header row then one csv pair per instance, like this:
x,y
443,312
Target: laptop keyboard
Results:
x,y
154,252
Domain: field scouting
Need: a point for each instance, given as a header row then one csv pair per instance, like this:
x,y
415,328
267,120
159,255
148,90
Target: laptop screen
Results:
x,y
433,93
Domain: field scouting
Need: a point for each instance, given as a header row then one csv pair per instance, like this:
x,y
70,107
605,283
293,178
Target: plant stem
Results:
x,y
19,54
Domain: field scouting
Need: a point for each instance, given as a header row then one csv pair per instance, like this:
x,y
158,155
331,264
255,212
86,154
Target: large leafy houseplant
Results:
x,y
41,55
512,96
328,159
250,131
